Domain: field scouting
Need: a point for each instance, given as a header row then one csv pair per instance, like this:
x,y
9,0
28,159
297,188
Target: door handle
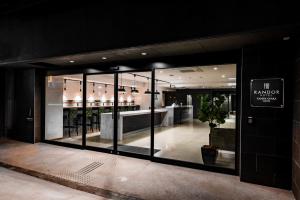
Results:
x,y
29,113
30,119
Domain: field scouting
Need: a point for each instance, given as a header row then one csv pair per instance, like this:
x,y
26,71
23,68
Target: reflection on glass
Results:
x,y
63,108
197,115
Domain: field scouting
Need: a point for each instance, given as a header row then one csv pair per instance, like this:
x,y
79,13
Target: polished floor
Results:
x,y
133,177
18,186
179,142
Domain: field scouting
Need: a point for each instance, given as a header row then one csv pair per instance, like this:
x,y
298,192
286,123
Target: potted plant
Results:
x,y
211,111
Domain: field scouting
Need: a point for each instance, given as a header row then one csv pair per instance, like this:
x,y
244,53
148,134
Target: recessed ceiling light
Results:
x,y
286,38
143,53
161,71
71,61
223,76
215,68
104,58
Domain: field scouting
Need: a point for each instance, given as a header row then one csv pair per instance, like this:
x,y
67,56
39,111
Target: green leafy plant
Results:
x,y
89,112
73,113
211,110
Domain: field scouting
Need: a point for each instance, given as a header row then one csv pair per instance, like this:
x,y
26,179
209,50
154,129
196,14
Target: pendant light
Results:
x,y
133,88
156,91
80,86
65,84
103,98
148,91
121,88
93,88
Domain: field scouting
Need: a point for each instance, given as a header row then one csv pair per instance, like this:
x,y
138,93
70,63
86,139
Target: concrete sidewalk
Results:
x,y
119,177
18,186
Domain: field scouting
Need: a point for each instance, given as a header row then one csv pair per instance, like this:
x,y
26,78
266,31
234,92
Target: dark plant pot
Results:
x,y
209,155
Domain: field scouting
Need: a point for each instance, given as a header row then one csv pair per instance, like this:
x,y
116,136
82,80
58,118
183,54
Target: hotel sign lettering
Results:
x,y
267,93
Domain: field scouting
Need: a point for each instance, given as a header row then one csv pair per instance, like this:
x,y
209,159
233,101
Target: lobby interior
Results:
x,y
179,134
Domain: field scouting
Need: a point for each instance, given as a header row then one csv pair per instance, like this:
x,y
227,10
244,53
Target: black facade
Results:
x,y
46,30
265,143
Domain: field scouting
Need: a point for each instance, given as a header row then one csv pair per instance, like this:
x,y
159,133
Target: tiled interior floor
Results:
x,y
134,177
18,186
179,142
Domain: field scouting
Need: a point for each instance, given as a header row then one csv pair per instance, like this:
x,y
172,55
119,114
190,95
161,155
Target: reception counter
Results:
x,y
139,120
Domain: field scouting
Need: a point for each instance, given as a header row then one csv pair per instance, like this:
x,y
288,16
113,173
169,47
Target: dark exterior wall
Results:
x,y
38,92
52,29
22,89
296,127
266,144
2,106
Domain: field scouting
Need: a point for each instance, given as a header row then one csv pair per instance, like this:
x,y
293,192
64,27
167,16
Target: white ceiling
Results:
x,y
214,76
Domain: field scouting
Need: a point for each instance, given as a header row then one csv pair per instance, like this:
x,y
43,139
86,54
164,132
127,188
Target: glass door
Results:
x,y
134,113
118,112
100,102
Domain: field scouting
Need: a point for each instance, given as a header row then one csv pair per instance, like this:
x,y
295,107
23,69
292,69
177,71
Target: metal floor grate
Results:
x,y
89,168
82,175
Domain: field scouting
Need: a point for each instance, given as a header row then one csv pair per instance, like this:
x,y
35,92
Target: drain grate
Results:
x,y
89,168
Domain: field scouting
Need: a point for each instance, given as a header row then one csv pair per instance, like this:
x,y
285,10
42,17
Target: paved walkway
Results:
x,y
18,186
119,177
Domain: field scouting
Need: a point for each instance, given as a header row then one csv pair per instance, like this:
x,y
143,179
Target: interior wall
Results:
x,y
54,108
296,127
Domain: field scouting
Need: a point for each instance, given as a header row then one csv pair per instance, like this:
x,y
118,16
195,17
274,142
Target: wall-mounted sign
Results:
x,y
267,93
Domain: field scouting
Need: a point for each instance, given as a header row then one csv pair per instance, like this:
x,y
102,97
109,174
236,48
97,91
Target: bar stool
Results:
x,y
67,121
95,119
89,118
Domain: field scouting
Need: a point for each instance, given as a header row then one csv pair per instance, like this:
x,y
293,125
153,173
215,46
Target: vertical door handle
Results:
x,y
29,118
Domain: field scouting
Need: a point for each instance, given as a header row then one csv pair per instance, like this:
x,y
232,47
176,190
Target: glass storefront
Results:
x,y
199,119
193,119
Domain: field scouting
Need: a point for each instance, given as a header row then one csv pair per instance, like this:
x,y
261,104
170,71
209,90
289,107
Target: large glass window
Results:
x,y
194,112
197,114
63,108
